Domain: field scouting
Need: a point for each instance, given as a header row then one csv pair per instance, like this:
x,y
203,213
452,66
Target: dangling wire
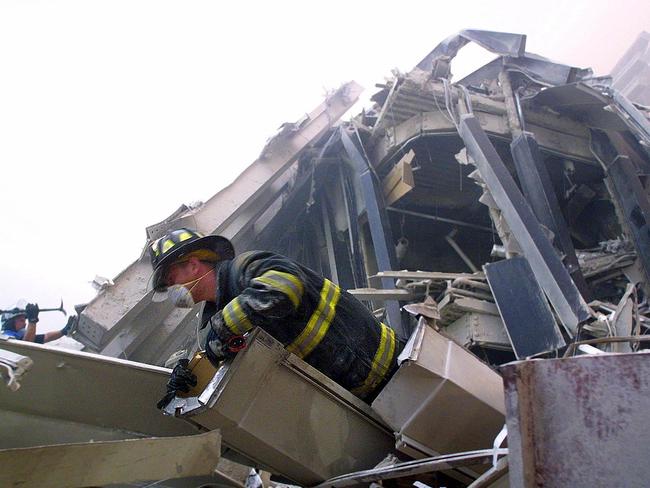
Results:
x,y
446,115
448,103
468,99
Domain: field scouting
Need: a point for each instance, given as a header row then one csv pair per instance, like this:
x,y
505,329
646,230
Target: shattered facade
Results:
x,y
524,170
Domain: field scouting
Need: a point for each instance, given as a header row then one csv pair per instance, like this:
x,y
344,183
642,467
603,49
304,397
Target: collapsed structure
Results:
x,y
501,217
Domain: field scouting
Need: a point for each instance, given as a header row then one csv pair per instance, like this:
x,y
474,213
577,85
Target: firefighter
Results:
x,y
19,323
311,316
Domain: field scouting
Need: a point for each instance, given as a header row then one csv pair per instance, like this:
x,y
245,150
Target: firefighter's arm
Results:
x,y
271,290
30,332
31,313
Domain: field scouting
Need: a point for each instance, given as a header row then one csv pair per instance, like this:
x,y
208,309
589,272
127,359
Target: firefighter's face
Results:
x,y
179,273
195,275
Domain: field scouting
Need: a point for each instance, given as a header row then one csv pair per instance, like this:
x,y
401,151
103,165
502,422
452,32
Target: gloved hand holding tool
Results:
x,y
182,379
31,312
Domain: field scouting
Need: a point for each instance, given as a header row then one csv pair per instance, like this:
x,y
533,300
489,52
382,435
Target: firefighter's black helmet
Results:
x,y
178,243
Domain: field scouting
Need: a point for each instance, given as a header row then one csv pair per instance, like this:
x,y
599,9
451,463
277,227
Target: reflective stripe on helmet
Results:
x,y
167,245
184,235
319,322
169,241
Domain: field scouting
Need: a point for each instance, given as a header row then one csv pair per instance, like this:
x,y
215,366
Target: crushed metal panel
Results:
x,y
422,401
579,422
551,275
501,43
481,329
283,414
400,180
531,65
91,394
623,320
523,307
102,463
452,307
580,100
12,367
630,196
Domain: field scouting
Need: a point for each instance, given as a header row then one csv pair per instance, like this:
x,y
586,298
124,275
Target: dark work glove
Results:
x,y
181,379
215,348
69,324
31,311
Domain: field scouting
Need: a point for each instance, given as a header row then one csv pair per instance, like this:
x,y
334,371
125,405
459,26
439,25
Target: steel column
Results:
x,y
538,190
380,231
549,271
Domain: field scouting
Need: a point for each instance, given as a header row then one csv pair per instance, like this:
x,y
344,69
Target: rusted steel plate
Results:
x,y
579,421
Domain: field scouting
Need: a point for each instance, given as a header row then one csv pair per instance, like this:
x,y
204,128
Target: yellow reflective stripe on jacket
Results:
x,y
235,318
319,322
381,362
287,283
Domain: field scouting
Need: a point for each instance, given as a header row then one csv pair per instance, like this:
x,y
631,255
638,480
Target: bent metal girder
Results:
x,y
549,271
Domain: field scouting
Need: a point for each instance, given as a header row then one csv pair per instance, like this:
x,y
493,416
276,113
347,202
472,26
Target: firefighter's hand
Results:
x,y
215,349
31,312
181,379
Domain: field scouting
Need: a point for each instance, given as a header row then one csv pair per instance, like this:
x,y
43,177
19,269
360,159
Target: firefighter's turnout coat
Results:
x,y
312,317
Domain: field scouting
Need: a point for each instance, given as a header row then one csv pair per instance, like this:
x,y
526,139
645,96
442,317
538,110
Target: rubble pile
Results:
x,y
499,223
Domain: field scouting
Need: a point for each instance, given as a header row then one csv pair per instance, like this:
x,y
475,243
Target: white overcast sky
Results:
x,y
113,113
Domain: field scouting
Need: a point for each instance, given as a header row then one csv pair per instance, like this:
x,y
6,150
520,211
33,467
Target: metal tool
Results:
x,y
58,309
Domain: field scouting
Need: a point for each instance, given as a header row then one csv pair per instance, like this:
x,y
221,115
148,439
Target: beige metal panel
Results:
x,y
95,393
282,413
101,463
400,180
442,399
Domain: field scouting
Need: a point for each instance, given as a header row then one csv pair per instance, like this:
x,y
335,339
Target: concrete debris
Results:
x,y
100,283
12,367
500,217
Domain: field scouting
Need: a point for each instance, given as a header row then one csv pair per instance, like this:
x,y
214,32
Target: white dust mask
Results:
x,y
181,296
